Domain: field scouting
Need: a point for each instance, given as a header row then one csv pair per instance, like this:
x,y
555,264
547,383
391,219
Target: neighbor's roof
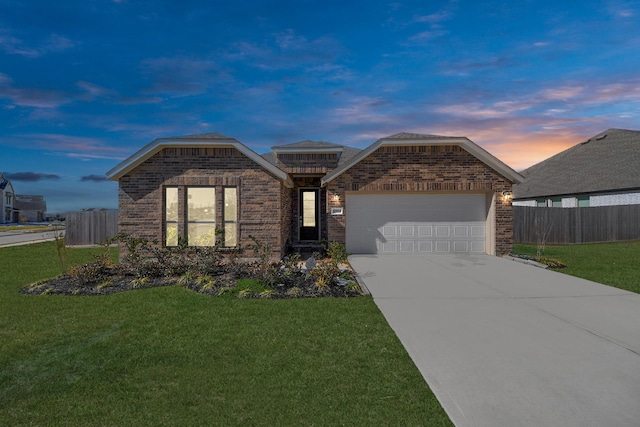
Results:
x,y
201,140
405,138
609,161
30,203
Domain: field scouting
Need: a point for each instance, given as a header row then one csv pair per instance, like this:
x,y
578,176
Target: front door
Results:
x,y
309,218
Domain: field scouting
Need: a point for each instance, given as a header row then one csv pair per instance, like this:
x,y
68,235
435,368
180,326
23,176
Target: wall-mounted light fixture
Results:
x,y
507,195
336,197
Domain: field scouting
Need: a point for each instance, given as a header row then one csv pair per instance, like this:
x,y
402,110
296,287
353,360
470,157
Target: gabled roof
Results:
x,y
609,161
404,138
3,182
202,140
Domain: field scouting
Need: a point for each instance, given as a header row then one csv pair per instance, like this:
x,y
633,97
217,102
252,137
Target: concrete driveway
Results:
x,y
502,343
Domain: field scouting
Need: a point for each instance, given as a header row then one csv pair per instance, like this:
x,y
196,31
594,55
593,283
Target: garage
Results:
x,y
392,223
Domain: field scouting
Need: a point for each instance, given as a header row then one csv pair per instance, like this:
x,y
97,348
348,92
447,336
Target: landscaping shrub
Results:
x,y
206,270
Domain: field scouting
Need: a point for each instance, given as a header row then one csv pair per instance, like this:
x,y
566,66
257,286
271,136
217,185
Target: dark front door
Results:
x,y
309,218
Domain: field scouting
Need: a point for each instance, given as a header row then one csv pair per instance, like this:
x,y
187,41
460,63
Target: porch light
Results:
x,y
336,197
507,195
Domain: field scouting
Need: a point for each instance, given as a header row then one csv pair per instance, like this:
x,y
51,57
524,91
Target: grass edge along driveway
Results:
x,y
614,264
169,356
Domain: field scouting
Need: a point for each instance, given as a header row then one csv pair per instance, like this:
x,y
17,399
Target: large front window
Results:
x,y
191,213
201,216
171,216
230,216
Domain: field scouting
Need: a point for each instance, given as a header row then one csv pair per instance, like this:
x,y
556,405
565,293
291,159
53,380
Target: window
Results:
x,y
171,216
556,202
201,216
308,208
583,202
541,203
193,213
230,216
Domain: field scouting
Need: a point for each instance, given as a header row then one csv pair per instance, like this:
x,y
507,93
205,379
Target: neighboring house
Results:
x,y
405,193
31,208
16,208
602,171
8,213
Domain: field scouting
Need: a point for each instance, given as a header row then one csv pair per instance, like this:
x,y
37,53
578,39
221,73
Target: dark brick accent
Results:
x,y
307,162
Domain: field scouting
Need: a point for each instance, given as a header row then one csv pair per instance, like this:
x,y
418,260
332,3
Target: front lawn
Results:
x,y
614,264
170,356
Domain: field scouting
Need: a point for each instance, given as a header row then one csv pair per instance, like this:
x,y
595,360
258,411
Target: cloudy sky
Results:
x,y
84,84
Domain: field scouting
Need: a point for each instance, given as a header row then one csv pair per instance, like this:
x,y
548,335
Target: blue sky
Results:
x,y
84,84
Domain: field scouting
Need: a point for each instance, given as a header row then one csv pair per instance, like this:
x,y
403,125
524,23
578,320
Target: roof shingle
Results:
x,y
609,161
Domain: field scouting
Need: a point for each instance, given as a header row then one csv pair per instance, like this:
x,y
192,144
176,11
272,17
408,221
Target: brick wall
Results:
x,y
444,169
286,221
307,162
261,195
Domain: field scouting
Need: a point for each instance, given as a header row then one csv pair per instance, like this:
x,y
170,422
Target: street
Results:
x,y
18,237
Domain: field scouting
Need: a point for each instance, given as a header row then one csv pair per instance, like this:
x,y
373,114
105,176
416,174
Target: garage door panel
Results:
x,y
478,231
425,246
407,246
460,230
478,247
443,230
390,231
461,246
443,246
385,223
389,247
425,230
406,230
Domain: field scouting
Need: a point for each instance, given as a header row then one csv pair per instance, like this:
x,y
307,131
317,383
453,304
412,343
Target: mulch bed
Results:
x,y
95,279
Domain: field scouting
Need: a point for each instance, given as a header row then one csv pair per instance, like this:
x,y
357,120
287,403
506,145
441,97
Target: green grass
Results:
x,y
614,264
169,356
30,228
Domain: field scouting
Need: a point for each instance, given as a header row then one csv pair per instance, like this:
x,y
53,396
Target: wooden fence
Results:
x,y
90,227
576,225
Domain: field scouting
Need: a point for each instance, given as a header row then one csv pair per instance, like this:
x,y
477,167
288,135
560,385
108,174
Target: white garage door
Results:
x,y
410,223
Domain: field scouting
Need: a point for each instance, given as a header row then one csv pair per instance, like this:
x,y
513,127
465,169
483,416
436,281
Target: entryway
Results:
x,y
309,214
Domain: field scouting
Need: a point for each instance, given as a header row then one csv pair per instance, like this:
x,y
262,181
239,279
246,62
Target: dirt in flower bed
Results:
x,y
206,271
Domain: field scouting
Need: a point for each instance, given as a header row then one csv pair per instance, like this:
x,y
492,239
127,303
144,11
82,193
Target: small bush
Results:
x,y
337,252
139,282
89,274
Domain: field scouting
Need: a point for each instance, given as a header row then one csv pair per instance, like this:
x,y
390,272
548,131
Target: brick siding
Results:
x,y
307,162
435,169
263,199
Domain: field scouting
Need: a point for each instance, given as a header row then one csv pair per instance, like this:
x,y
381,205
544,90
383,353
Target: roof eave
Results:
x,y
157,145
308,150
465,143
